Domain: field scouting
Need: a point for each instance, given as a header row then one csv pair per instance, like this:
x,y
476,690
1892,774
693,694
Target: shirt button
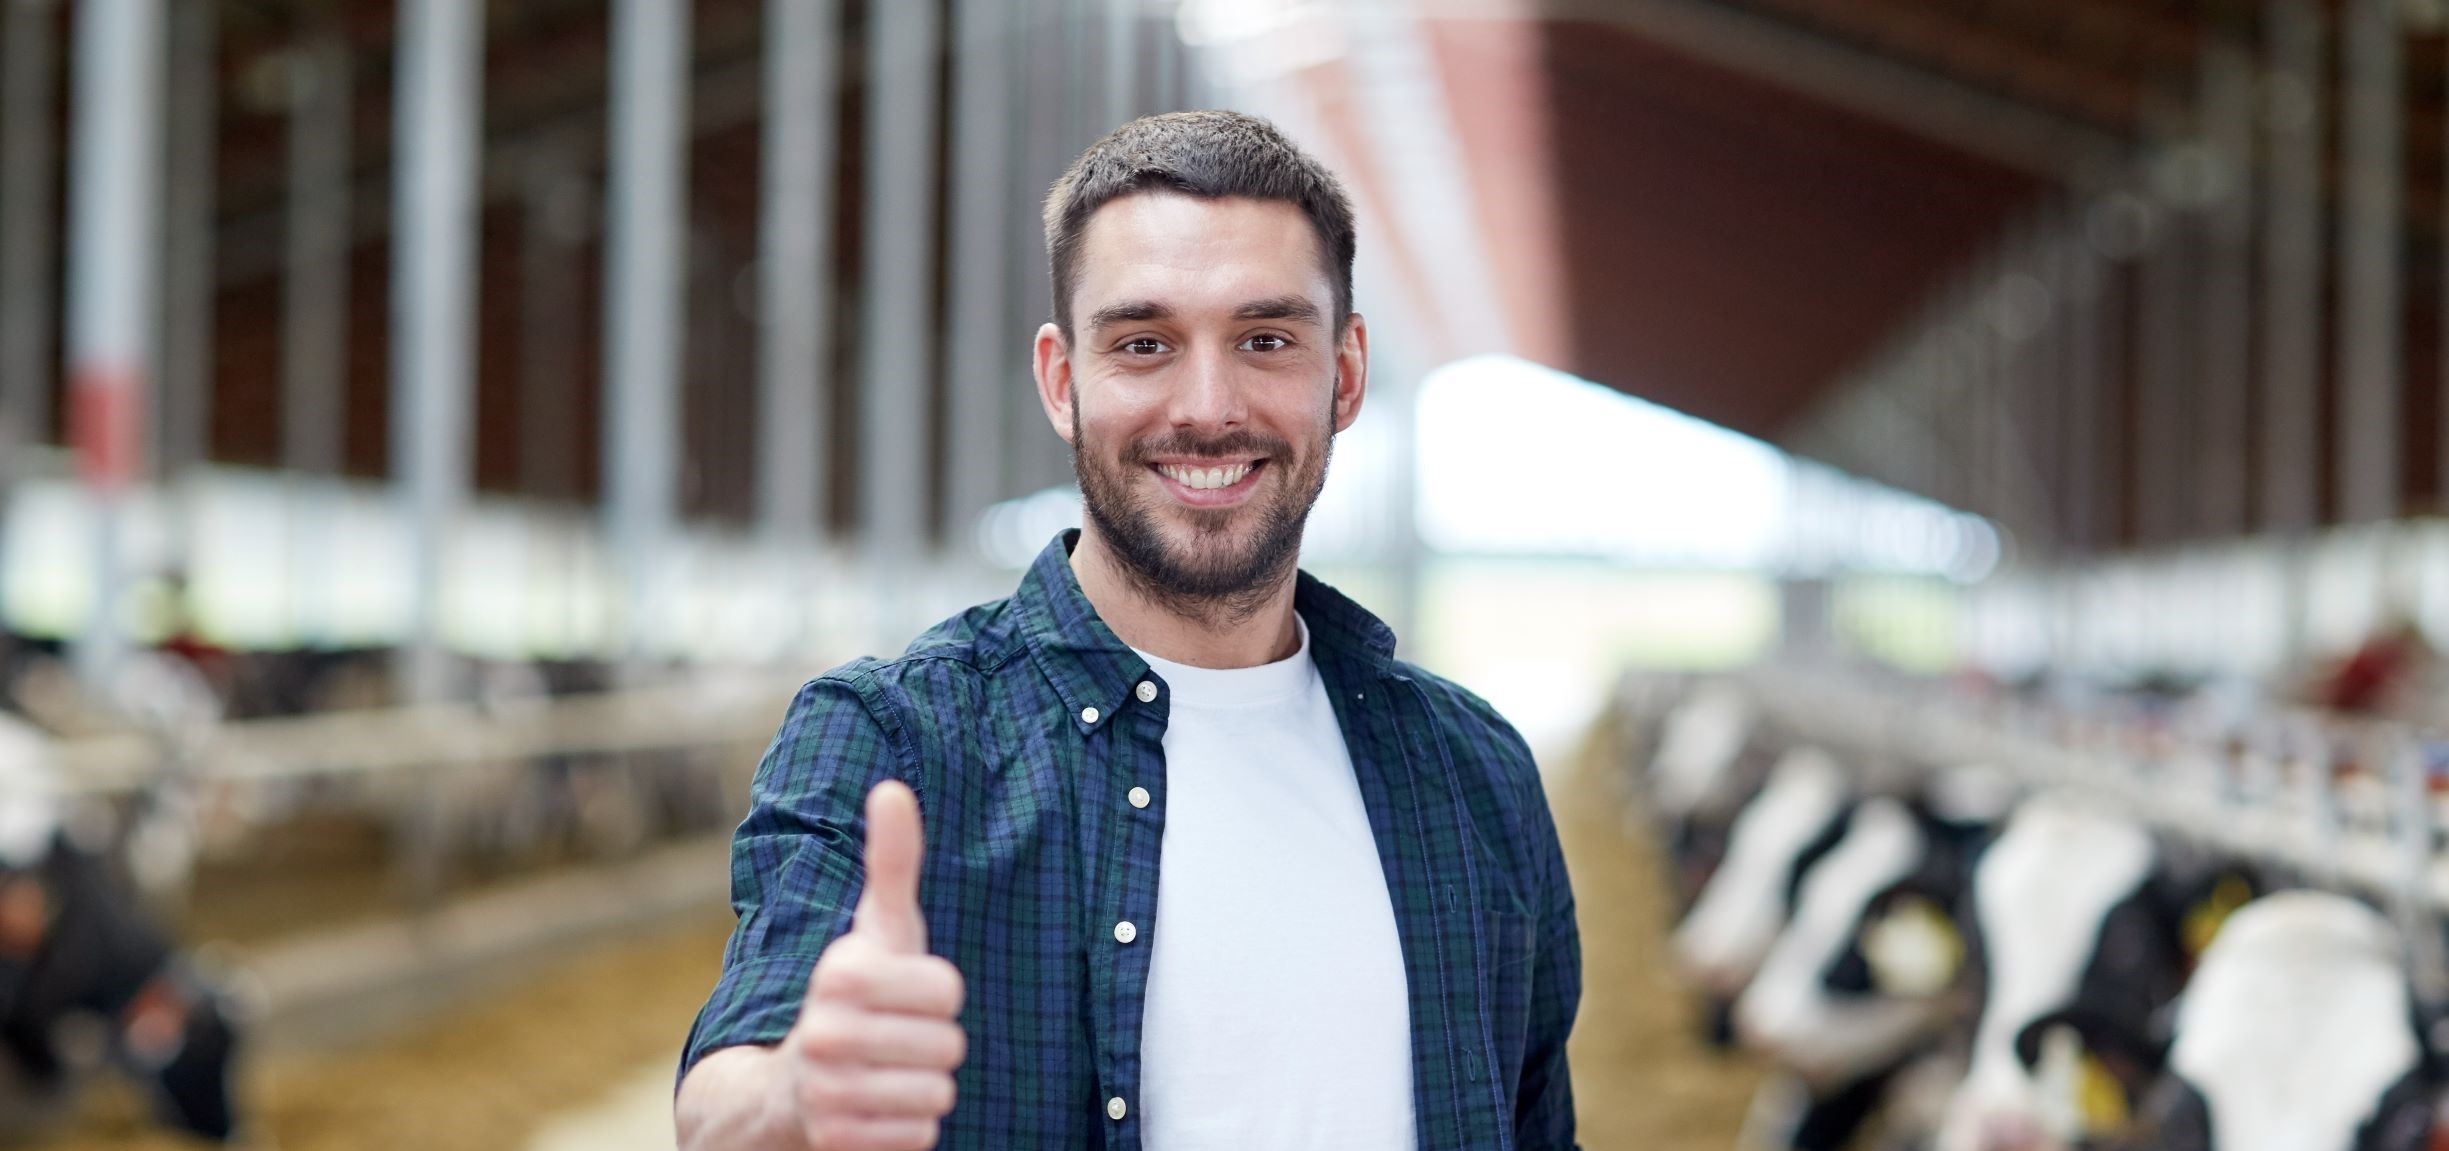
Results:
x,y
1124,932
1139,797
1147,692
1115,1109
1088,715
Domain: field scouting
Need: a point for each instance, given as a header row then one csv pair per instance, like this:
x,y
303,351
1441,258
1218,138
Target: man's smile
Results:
x,y
1209,483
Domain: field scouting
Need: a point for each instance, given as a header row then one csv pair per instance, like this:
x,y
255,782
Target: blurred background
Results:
x,y
437,435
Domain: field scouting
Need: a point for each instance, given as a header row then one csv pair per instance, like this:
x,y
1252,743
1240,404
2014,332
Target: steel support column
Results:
x,y
979,359
2292,258
897,278
194,159
795,265
440,90
113,287
2224,362
645,262
2370,365
29,102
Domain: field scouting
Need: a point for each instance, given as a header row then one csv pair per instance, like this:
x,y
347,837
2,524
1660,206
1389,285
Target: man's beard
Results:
x,y
1208,579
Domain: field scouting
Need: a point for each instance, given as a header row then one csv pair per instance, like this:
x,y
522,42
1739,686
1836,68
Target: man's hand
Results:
x,y
869,1064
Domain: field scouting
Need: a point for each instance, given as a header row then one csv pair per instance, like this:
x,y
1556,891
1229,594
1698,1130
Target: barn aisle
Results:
x,y
491,1074
1641,1078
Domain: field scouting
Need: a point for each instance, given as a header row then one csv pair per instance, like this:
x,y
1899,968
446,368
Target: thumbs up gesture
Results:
x,y
872,1054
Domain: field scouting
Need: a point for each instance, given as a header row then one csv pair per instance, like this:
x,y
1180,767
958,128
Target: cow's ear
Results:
x,y
2217,898
2105,1065
1911,943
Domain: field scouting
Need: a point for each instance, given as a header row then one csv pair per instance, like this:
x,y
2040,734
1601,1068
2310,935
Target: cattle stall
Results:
x,y
1958,917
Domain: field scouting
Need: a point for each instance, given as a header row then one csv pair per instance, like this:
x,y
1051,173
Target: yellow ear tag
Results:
x,y
2202,924
2099,1098
1913,950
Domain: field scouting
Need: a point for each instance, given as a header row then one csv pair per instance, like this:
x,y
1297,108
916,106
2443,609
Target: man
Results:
x,y
1209,868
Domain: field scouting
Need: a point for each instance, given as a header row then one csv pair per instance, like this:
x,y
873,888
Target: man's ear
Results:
x,y
1051,363
1351,370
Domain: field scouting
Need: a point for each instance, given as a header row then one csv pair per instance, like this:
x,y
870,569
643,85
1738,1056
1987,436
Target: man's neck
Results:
x,y
1260,637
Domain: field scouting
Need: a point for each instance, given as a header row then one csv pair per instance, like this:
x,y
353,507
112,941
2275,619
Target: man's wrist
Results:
x,y
738,1099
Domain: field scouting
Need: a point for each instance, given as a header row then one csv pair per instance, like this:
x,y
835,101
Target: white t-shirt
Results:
x,y
1277,1013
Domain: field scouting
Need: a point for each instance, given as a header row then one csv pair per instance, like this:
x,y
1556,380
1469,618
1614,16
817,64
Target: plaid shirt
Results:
x,y
1022,725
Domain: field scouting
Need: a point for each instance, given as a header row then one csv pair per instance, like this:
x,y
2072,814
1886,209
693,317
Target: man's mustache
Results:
x,y
1244,443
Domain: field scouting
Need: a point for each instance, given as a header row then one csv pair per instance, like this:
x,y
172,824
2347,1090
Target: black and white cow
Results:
x,y
1704,771
1866,976
2297,1033
87,979
2080,917
1792,822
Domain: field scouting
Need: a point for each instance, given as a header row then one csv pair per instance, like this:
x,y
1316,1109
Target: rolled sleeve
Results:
x,y
797,860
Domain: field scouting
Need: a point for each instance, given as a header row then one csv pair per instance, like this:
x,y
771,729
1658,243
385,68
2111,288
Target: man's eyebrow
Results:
x,y
1279,308
1132,312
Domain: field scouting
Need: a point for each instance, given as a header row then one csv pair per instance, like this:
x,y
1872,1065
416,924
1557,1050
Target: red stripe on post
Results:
x,y
103,424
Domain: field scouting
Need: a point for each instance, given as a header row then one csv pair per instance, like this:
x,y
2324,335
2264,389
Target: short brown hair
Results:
x,y
1208,154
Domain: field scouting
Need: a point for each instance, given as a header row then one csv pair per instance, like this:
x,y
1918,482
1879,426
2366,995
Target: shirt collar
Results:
x,y
1092,668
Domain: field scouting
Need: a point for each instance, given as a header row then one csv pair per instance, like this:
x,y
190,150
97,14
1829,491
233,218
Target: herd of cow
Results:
x,y
91,979
1951,958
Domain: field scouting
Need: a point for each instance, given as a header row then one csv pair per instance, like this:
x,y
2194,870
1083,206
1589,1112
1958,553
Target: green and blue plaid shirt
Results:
x,y
1021,726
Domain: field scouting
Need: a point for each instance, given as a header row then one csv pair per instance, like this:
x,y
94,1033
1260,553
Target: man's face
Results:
x,y
1201,387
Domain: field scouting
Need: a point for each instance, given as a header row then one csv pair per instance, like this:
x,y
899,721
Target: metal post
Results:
x,y
977,355
1121,62
1033,456
557,208
28,102
2225,361
1165,62
315,303
440,93
187,333
113,289
2163,449
795,270
645,269
2369,363
2291,264
897,276
2084,380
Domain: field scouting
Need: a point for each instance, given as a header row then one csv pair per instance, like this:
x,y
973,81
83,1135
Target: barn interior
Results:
x,y
436,437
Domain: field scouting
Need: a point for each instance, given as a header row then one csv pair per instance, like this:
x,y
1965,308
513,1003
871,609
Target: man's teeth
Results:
x,y
1202,479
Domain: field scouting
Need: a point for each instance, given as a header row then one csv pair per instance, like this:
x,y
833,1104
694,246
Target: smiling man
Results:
x,y
1204,867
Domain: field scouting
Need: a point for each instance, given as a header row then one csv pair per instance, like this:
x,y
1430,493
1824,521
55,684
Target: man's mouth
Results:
x,y
1209,485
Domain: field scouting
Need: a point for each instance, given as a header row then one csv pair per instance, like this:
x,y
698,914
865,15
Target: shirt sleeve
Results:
x,y
796,861
1543,1104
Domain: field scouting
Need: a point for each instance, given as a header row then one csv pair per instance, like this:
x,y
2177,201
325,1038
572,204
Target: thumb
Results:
x,y
888,906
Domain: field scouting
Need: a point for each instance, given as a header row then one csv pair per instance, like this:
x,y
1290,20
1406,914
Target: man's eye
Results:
x,y
1266,343
1143,346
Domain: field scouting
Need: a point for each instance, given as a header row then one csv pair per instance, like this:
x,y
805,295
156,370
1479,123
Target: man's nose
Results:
x,y
1210,393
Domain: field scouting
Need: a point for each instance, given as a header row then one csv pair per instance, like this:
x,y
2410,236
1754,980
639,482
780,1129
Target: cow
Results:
x,y
87,979
2298,1033
1787,827
1699,779
2077,912
1866,977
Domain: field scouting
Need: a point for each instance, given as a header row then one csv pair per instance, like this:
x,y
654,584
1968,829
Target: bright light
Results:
x,y
1520,459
